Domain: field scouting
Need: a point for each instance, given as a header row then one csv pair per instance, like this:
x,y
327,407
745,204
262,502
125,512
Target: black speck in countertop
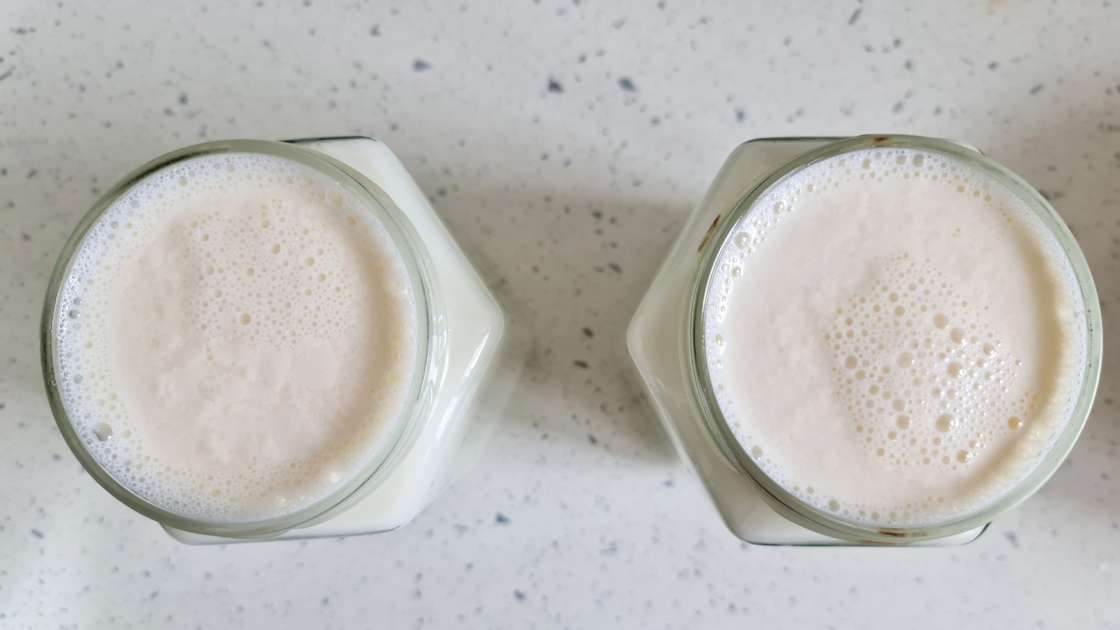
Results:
x,y
897,43
1036,89
740,115
592,439
992,65
7,73
375,30
897,107
420,65
25,237
518,595
855,17
32,173
581,364
587,332
555,87
615,267
36,533
19,30
627,85
501,519
183,100
908,64
1012,538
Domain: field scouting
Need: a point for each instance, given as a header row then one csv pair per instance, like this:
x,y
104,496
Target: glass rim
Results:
x,y
823,522
426,364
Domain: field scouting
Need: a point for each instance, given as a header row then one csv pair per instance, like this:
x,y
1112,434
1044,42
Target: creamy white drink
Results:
x,y
894,337
237,337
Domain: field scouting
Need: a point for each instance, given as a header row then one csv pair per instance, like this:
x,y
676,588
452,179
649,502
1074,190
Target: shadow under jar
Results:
x,y
873,340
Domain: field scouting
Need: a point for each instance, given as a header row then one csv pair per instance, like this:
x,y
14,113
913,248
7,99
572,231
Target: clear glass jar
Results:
x,y
664,342
460,338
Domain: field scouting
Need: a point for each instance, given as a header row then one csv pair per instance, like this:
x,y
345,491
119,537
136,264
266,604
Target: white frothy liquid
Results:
x,y
894,337
236,338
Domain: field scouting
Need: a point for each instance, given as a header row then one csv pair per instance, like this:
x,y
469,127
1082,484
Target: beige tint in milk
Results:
x,y
237,337
894,337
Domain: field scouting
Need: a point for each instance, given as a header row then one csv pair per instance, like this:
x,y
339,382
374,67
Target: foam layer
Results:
x,y
237,338
894,337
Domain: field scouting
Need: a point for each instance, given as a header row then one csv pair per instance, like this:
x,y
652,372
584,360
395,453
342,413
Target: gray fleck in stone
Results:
x,y
627,85
1036,89
420,65
1012,538
855,16
36,533
518,595
501,519
555,87
580,364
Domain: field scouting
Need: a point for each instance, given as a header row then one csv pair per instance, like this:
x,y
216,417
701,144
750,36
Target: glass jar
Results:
x,y
460,336
665,344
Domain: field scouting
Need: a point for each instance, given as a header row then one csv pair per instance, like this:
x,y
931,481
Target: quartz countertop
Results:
x,y
563,142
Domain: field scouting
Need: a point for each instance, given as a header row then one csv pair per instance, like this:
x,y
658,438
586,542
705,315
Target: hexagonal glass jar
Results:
x,y
462,339
665,344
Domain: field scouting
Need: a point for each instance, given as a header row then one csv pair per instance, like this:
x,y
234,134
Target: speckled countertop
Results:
x,y
566,140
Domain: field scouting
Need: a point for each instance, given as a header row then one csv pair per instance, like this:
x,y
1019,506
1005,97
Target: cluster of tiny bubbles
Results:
x,y
257,278
925,381
265,274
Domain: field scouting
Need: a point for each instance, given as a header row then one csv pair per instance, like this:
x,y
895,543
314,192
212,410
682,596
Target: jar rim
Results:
x,y
417,266
784,501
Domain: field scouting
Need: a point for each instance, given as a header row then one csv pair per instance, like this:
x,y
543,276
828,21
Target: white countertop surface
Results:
x,y
566,140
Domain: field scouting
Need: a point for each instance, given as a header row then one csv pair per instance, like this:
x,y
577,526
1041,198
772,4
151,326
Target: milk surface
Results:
x,y
894,337
237,338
